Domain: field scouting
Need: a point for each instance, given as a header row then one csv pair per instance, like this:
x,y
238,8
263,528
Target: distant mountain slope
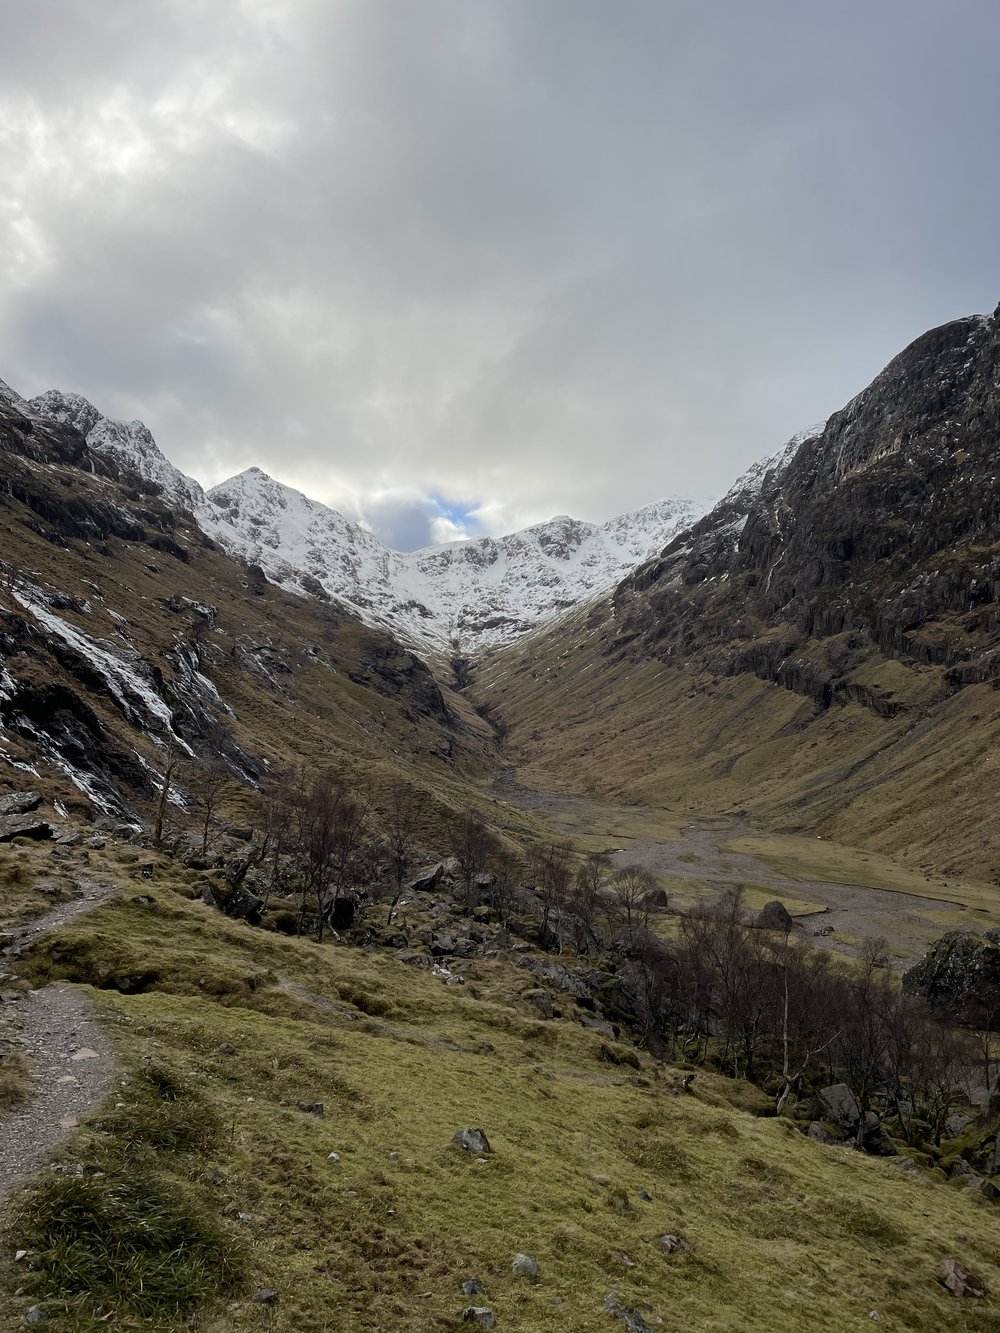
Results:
x,y
127,634
461,597
822,649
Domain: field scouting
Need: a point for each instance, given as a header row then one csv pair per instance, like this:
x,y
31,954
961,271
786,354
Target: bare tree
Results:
x,y
472,844
210,785
402,822
169,769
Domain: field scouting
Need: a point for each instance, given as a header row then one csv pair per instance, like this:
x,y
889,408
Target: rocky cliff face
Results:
x,y
877,534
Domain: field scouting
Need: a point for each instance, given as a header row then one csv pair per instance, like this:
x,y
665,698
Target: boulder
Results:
x,y
956,970
426,880
839,1106
632,1319
954,1278
523,1265
597,1025
472,1140
819,1134
954,1125
20,803
24,826
774,916
676,1245
479,1314
540,1001
874,1140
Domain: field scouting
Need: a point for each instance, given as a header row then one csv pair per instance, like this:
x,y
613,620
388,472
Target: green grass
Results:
x,y
150,1236
820,859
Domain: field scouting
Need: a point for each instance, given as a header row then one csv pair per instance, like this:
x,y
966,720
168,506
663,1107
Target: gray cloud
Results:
x,y
531,258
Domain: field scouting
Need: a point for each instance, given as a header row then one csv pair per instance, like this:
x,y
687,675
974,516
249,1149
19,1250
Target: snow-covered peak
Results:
x,y
130,442
11,395
461,597
749,486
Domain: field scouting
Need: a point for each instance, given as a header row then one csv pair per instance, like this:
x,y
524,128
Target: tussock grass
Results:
x,y
16,1084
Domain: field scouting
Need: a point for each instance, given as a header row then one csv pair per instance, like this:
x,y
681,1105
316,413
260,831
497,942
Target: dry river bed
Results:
x,y
699,855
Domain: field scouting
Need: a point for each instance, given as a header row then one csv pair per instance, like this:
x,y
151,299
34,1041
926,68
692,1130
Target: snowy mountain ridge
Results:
x,y
461,597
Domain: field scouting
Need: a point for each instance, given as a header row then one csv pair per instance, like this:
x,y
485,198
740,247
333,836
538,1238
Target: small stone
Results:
x,y
874,1316
21,1254
333,1157
525,1266
84,1053
472,1140
36,1315
394,1156
265,1296
676,1245
227,1048
632,1319
479,1314
311,1108
954,1278
645,1196
472,1287
245,1218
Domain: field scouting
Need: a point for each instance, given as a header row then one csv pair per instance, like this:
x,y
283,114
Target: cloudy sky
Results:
x,y
464,264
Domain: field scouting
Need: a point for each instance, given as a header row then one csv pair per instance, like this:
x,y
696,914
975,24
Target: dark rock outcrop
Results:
x,y
959,975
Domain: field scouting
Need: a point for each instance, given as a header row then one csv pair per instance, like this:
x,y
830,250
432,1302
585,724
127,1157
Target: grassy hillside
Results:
x,y
204,1180
584,715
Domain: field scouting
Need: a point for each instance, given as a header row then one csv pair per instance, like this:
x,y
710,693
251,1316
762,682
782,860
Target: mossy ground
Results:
x,y
786,1234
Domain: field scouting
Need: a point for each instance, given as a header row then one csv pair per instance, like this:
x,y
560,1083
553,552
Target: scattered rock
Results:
x,y
819,1134
633,1320
954,1125
227,1048
265,1296
676,1245
597,1025
472,1140
311,1108
479,1314
774,916
20,803
524,1266
874,1140
839,1106
35,1314
472,1287
426,880
954,1278
333,1157
25,826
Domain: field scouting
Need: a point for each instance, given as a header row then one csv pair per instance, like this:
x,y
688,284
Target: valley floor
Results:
x,y
857,895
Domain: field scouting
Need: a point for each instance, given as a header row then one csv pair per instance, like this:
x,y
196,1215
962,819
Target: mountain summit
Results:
x,y
462,596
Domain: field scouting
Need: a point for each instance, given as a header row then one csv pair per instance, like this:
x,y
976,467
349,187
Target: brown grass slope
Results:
x,y
824,654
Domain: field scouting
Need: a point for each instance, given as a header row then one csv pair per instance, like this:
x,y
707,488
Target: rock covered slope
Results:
x,y
461,597
822,649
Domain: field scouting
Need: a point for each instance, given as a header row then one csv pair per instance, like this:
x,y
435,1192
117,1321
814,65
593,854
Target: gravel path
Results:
x,y
72,1060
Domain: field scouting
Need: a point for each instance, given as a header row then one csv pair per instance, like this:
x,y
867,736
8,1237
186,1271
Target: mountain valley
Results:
x,y
495,934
